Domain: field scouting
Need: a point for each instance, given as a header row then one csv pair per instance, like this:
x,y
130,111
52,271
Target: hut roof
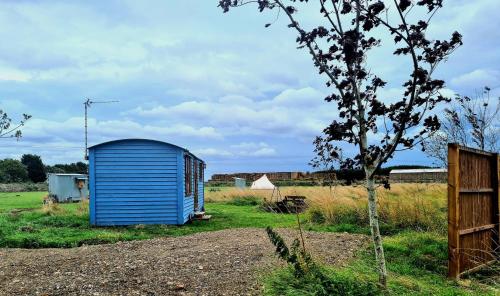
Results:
x,y
149,140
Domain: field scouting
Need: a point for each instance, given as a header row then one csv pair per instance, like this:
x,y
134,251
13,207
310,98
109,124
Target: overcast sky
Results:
x,y
237,94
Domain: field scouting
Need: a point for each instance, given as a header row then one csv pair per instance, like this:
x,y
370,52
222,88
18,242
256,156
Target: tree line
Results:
x,y
30,168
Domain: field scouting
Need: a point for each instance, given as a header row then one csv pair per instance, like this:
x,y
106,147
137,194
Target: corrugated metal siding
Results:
x,y
136,182
64,187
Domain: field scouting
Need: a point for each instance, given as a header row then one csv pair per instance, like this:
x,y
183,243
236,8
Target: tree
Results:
x,y
12,170
72,168
472,122
325,162
339,47
6,128
36,169
54,170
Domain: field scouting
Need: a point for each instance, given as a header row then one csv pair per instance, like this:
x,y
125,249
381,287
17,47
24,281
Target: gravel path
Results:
x,y
211,263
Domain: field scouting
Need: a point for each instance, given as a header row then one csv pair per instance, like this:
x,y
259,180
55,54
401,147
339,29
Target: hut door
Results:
x,y
196,163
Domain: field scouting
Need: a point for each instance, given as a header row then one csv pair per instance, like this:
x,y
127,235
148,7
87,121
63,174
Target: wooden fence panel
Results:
x,y
473,209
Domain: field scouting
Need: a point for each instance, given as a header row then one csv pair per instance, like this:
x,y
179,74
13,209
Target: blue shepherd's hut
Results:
x,y
138,181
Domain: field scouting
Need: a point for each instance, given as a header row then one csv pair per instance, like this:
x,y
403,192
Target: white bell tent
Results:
x,y
263,183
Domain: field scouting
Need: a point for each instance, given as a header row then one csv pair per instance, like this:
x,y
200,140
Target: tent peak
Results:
x,y
263,183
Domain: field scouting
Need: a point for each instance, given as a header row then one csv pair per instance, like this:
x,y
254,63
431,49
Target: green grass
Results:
x,y
20,200
70,227
416,260
282,282
249,200
417,265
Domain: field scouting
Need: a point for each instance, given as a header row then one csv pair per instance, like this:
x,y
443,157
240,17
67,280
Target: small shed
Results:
x,y
68,187
240,183
141,181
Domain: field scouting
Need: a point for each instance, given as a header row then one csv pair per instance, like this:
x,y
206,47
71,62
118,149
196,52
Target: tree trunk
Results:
x,y
375,231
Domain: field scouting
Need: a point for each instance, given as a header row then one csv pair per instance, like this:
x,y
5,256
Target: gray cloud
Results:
x,y
186,73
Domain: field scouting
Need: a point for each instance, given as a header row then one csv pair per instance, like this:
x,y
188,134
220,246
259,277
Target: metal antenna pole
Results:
x,y
87,105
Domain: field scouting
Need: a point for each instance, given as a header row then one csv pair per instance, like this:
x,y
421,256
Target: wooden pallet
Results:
x,y
290,204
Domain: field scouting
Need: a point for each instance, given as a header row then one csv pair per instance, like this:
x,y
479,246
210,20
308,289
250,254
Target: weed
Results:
x,y
83,207
26,228
52,209
316,215
308,277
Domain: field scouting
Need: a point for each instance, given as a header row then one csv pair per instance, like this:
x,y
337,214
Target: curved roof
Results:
x,y
147,140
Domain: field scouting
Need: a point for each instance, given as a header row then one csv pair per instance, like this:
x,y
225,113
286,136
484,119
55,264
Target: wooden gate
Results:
x,y
473,209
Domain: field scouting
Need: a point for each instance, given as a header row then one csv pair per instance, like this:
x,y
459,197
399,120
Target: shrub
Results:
x,y
23,187
29,243
304,277
248,200
283,282
12,170
316,215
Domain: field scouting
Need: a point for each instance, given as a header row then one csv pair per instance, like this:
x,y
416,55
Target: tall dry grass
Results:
x,y
420,206
53,209
83,207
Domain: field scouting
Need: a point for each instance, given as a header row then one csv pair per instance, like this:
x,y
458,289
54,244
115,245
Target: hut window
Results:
x,y
188,174
200,173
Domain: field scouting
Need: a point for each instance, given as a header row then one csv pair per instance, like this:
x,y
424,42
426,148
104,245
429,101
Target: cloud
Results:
x,y
288,114
249,145
190,84
12,105
253,149
63,141
477,79
14,75
241,150
72,42
266,151
212,152
301,98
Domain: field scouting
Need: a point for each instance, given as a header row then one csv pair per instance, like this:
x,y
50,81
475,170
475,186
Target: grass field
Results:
x,y
416,250
25,223
416,261
413,219
20,200
405,206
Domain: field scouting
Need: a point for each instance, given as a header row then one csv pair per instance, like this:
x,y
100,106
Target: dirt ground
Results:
x,y
225,262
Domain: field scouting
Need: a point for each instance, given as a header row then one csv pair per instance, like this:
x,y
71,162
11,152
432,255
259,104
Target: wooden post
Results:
x,y
453,211
496,195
